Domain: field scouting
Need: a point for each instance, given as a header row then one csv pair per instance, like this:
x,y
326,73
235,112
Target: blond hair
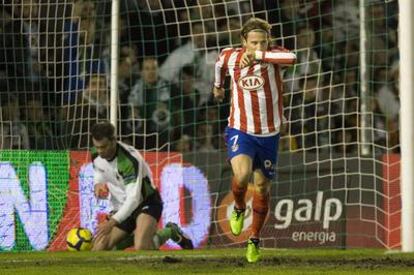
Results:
x,y
255,24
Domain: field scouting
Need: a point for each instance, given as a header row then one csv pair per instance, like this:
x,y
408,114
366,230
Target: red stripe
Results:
x,y
225,66
255,107
231,117
269,100
279,92
243,123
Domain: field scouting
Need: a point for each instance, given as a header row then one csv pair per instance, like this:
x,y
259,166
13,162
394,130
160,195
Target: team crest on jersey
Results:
x,y
251,82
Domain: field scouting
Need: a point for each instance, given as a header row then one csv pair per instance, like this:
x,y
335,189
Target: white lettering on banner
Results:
x,y
90,207
173,178
320,237
284,211
33,214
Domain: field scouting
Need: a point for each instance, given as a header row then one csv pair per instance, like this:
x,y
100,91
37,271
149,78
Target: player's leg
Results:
x,y
242,171
240,152
172,231
264,166
145,231
260,205
146,234
109,242
260,209
147,216
178,236
241,165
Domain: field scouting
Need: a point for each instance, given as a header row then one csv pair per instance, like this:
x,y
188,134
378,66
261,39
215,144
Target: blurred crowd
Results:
x,y
55,72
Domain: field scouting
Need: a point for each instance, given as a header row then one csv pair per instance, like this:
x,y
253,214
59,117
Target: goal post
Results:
x,y
407,124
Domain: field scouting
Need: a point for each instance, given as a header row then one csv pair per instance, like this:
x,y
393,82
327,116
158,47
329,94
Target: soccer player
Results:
x,y
252,135
121,171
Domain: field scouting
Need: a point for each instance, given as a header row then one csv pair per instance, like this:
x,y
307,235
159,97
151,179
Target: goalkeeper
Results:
x,y
121,172
252,135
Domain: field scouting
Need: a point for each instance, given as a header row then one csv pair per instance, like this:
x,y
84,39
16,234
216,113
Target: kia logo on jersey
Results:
x,y
251,82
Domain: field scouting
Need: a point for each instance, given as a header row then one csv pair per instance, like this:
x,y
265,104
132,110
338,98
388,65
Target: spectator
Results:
x,y
183,144
387,98
205,138
38,125
185,101
14,132
128,71
388,94
291,16
210,112
150,98
346,20
80,58
308,62
29,11
91,107
382,34
13,49
96,96
229,32
148,22
193,52
307,115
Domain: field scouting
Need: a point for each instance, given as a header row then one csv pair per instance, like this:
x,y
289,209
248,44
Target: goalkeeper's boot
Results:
x,y
253,253
237,221
179,237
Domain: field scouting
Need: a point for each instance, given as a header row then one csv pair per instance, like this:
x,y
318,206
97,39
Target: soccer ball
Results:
x,y
79,239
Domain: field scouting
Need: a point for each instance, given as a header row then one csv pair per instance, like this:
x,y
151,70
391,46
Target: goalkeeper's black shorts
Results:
x,y
151,206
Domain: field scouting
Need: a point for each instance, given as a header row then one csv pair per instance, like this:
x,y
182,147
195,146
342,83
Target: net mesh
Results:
x,y
54,85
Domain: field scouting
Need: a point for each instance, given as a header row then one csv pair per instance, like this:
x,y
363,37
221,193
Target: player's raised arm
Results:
x,y
276,57
279,56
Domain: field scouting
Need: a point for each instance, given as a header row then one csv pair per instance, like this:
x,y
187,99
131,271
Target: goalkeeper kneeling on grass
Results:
x,y
121,171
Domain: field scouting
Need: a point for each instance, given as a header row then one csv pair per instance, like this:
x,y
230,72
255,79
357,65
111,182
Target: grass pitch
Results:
x,y
209,261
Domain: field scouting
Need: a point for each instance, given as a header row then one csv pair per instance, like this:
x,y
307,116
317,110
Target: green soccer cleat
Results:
x,y
237,221
253,253
179,237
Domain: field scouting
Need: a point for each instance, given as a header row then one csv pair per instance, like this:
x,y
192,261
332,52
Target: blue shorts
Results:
x,y
262,150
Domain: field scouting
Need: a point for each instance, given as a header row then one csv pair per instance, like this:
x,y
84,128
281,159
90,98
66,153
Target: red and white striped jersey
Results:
x,y
256,91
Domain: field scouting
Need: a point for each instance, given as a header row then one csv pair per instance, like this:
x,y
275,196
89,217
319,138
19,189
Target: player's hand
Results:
x,y
101,190
105,228
247,58
218,94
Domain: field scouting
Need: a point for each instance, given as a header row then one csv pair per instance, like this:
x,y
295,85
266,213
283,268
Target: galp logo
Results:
x,y
251,82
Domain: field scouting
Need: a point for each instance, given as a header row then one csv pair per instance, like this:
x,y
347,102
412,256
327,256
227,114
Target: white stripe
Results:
x,y
236,116
264,129
280,55
232,60
236,107
217,76
249,113
247,104
235,102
